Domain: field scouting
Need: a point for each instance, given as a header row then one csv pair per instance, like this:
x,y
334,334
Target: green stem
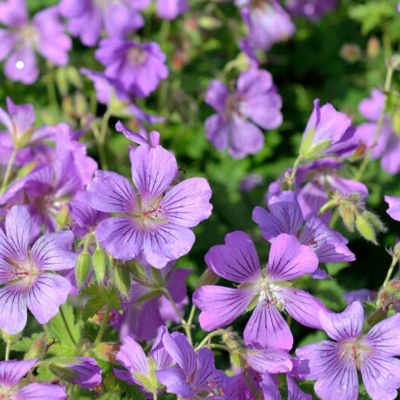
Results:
x,y
67,327
8,171
390,271
292,176
218,332
103,325
8,348
327,206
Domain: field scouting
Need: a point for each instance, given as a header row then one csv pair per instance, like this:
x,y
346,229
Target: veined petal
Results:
x,y
46,295
344,325
166,242
35,391
188,203
12,371
302,306
54,251
13,313
111,192
394,207
120,236
18,229
267,328
7,271
153,169
286,208
220,305
132,356
175,381
236,260
328,245
205,370
270,225
294,392
288,259
216,95
179,348
385,336
271,360
381,377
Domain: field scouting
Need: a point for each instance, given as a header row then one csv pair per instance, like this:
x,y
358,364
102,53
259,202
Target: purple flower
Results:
x,y
266,290
328,132
86,18
394,207
193,373
334,364
170,9
147,307
82,371
138,67
312,9
387,147
285,216
256,100
140,367
44,34
25,272
314,181
268,22
12,372
152,221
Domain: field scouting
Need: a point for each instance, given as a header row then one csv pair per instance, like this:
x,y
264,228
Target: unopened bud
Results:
x,y
365,229
208,277
122,279
99,261
82,269
37,349
346,211
373,47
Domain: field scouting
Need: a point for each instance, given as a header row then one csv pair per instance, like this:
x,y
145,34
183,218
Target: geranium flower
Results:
x,y
255,100
26,272
269,291
335,364
152,221
44,34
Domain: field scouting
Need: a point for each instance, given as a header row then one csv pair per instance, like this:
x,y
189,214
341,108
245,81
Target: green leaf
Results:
x,y
99,296
371,14
62,328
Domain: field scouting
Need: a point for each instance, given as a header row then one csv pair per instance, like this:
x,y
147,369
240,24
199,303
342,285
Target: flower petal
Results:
x,y
267,328
220,305
13,312
111,192
12,371
236,260
288,259
385,336
187,203
46,295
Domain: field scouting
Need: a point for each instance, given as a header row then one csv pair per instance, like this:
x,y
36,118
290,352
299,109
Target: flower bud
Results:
x,y
365,228
208,277
37,349
82,269
122,279
99,262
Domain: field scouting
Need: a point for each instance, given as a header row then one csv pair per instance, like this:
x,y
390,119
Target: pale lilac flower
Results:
x,y
87,18
335,364
141,368
285,216
110,92
147,307
387,147
153,222
26,272
13,371
394,207
328,133
313,183
44,34
311,9
267,21
193,373
237,261
82,371
170,9
138,67
255,102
